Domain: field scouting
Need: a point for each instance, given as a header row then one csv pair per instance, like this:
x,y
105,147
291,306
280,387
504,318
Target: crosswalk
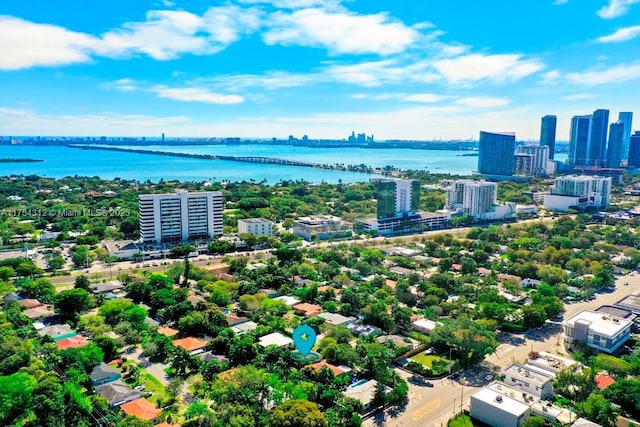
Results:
x,y
426,409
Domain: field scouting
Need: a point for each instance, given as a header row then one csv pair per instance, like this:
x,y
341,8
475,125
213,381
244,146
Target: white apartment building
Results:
x,y
602,332
530,380
478,199
495,408
180,216
321,226
539,159
255,226
578,190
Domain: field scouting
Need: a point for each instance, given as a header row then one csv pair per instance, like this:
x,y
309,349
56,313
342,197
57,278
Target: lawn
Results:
x,y
153,386
429,360
464,420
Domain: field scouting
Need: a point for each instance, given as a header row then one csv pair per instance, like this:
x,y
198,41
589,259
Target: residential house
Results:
x,y
307,310
424,326
71,342
103,374
142,409
275,338
362,391
117,393
190,344
336,319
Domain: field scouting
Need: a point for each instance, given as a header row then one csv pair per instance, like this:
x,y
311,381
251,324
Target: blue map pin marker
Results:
x,y
304,338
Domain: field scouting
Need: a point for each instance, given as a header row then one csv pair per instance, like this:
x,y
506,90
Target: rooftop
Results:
x,y
168,332
241,328
603,381
234,319
336,319
116,392
71,342
288,300
103,371
532,375
308,310
335,369
500,401
551,362
275,338
363,392
141,408
602,324
190,343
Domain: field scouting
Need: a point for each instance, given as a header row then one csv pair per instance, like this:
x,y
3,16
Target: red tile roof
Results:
x,y
190,343
308,310
334,369
29,303
71,342
603,381
141,408
169,332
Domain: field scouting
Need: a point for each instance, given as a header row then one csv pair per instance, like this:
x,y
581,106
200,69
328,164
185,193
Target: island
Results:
x,y
11,160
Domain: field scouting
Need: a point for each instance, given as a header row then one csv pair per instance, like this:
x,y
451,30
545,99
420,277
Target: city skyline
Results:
x,y
273,68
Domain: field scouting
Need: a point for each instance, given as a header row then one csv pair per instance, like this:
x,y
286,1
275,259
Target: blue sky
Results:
x,y
408,69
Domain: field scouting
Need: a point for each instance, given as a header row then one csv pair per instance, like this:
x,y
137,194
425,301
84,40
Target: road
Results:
x,y
427,406
433,407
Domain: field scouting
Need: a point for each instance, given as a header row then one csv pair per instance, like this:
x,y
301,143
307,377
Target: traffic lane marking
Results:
x,y
426,409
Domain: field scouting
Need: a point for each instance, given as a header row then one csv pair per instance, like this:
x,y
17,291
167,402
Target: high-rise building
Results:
x,y
578,191
496,153
540,161
579,140
180,216
626,118
477,199
548,134
397,197
634,150
615,146
523,164
598,138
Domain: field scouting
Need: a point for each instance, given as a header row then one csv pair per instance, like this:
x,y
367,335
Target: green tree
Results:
x,y
534,315
471,340
297,413
184,251
70,303
535,421
82,282
598,409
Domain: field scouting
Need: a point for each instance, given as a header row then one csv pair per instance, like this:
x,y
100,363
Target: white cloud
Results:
x,y
578,97
122,85
423,98
195,95
23,122
495,68
616,8
25,44
483,102
296,4
166,34
339,32
621,35
376,73
559,2
617,74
